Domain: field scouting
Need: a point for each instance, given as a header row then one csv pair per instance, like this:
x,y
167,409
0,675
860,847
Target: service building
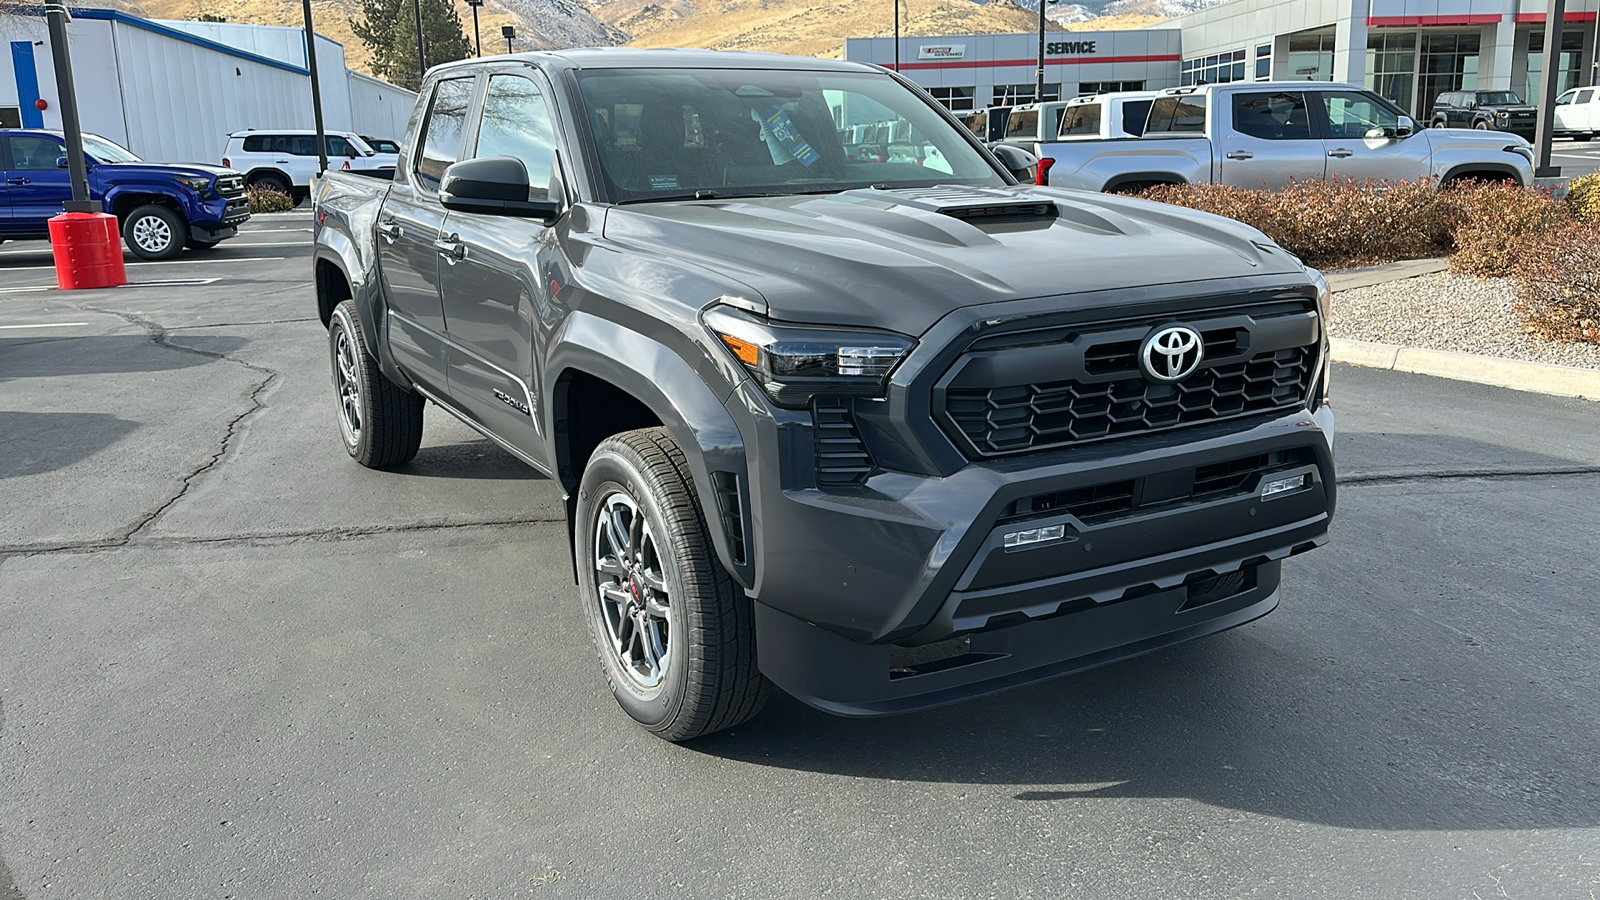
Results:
x,y
1408,50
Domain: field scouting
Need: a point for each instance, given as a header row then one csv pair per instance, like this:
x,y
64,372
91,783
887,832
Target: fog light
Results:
x,y
1033,536
1284,485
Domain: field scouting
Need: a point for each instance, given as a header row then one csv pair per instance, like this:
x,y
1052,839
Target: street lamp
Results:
x,y
1038,74
509,32
422,59
897,35
477,38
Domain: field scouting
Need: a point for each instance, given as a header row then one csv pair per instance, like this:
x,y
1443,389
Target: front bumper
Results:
x,y
903,595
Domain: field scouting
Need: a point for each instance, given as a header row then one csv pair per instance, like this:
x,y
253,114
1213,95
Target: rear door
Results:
x,y
38,187
1362,140
498,272
1272,141
408,235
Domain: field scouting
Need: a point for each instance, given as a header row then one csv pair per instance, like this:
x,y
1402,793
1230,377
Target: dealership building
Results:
x,y
1408,50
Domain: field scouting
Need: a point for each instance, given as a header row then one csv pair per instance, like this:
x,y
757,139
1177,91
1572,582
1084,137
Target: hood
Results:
x,y
903,259
150,168
1510,107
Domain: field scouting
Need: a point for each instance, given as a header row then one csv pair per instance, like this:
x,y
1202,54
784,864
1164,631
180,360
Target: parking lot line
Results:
x,y
210,259
28,289
44,325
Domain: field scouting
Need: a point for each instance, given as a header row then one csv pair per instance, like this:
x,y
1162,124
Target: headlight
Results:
x,y
1324,313
1523,150
794,363
1501,114
194,183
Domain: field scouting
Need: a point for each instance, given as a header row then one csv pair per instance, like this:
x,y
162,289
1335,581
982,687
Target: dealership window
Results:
x,y
1311,57
1106,87
1272,116
1222,68
1264,62
1449,63
1392,66
955,99
1017,94
10,117
1571,62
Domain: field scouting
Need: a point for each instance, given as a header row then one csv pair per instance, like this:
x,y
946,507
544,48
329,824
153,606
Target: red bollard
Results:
x,y
88,251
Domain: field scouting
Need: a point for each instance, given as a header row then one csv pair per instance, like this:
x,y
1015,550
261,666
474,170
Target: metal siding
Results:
x,y
379,108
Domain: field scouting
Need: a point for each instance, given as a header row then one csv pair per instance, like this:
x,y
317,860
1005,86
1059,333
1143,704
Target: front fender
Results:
x,y
671,388
193,211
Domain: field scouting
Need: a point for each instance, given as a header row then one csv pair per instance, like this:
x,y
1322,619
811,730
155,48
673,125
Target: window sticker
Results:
x,y
783,139
663,182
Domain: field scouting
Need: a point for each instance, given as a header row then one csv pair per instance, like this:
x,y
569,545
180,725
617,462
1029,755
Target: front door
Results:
x,y
408,233
1272,142
496,275
1362,142
38,187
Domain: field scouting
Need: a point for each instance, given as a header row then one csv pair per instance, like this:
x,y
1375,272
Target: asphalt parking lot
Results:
x,y
1575,157
233,663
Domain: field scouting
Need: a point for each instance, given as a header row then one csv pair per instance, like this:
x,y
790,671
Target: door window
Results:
x,y
338,146
1352,115
1584,96
441,136
1276,116
516,123
32,153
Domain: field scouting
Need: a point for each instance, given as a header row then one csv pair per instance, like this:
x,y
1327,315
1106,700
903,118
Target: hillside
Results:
x,y
803,27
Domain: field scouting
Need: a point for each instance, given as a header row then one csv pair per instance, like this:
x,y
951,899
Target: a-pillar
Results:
x,y
1350,43
1499,45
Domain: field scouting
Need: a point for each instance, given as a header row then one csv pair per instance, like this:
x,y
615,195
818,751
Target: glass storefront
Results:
x,y
1392,66
1571,62
1449,63
1311,58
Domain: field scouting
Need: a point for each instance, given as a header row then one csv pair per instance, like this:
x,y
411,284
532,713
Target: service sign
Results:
x,y
942,51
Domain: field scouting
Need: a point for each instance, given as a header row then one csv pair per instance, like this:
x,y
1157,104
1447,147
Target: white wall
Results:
x,y
379,108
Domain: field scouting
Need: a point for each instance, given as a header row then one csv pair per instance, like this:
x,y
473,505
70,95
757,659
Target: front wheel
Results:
x,y
154,232
675,635
380,421
1480,125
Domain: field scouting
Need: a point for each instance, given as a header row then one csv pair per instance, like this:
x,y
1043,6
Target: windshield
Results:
x,y
1499,98
105,151
675,133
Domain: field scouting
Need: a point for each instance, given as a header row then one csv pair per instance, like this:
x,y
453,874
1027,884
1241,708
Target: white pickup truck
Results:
x,y
1269,134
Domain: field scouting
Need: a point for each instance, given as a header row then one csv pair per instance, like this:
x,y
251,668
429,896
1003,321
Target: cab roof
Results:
x,y
670,58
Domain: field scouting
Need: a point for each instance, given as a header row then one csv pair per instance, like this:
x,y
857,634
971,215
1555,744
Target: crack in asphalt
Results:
x,y
242,324
158,335
1514,474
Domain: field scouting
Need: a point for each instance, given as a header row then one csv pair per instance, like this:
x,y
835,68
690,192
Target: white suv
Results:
x,y
286,160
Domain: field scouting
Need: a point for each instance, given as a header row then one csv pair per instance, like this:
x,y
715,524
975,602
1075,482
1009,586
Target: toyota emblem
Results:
x,y
1171,353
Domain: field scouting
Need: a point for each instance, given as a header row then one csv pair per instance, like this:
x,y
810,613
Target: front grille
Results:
x,y
1096,503
230,185
1019,418
842,457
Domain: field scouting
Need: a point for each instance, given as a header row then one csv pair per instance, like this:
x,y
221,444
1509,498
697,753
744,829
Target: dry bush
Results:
x,y
1558,278
265,200
1334,223
1495,221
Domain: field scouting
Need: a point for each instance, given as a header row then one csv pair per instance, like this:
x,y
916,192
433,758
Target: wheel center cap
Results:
x,y
633,585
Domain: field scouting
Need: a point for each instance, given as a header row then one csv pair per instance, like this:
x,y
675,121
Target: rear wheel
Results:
x,y
380,421
154,232
675,635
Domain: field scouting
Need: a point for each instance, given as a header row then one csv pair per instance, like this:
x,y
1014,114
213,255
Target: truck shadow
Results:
x,y
469,459
1235,722
111,354
32,443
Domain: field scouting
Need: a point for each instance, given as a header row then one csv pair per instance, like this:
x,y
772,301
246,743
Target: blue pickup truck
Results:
x,y
161,208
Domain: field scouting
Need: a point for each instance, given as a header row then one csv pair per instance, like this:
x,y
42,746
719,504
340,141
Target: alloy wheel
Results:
x,y
349,386
631,585
152,234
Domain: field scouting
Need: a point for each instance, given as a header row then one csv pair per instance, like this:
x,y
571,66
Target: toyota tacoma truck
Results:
x,y
160,207
883,434
1267,135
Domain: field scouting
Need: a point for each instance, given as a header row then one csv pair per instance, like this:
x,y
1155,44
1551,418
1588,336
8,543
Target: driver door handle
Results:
x,y
18,180
390,231
1340,153
451,248
1240,154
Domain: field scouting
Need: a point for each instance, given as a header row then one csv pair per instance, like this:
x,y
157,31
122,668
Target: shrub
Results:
x,y
1494,222
1558,277
1583,198
1334,223
265,200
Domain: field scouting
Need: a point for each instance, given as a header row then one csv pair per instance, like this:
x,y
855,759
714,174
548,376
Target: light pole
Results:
x,y
897,35
316,91
422,59
508,32
57,17
477,39
1549,86
1038,75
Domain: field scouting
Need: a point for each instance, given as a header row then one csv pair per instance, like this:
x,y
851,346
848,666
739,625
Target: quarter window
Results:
x,y
441,140
1279,116
1178,115
516,123
1083,119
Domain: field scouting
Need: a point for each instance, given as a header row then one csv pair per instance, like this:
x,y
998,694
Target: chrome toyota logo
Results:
x,y
1171,353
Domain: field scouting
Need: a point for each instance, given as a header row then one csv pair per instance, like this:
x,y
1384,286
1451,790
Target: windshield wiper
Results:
x,y
697,195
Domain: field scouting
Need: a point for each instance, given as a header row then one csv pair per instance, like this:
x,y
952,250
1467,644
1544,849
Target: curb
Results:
x,y
1370,276
1543,378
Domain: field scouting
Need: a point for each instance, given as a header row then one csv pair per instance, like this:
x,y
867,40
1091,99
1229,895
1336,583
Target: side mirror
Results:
x,y
1406,127
62,162
1019,162
493,185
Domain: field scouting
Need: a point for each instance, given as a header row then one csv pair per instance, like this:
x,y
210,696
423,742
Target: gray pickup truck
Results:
x,y
1267,134
885,434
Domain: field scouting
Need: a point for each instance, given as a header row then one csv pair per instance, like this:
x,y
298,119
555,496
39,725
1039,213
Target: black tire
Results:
x,y
379,421
1438,123
154,232
701,627
1480,125
271,183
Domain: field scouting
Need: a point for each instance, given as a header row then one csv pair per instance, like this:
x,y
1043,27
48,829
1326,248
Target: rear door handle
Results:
x,y
1240,154
390,231
452,249
1340,153
18,181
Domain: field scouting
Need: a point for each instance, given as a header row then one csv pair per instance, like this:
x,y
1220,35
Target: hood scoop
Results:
x,y
970,205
